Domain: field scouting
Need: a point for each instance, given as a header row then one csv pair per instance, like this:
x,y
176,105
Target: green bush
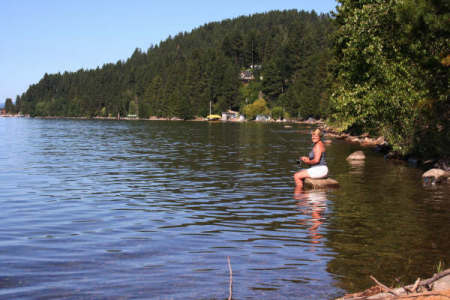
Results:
x,y
277,112
259,107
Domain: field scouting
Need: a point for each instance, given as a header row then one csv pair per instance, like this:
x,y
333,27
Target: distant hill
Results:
x,y
180,76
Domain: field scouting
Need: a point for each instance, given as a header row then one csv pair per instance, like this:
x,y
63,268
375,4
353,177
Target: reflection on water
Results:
x,y
312,204
356,166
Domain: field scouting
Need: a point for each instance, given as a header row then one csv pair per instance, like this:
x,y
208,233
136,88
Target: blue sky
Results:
x,y
50,36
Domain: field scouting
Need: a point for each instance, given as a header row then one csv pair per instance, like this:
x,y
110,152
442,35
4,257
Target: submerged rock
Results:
x,y
435,176
357,155
320,183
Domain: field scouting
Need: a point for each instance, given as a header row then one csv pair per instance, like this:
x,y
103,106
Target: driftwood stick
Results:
x,y
230,289
435,277
412,289
389,290
427,282
416,284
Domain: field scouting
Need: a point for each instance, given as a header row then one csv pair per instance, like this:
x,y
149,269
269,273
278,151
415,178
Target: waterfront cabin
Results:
x,y
230,115
246,76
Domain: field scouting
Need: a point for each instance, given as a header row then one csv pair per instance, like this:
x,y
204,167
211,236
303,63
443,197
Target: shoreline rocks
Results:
x,y
379,144
364,140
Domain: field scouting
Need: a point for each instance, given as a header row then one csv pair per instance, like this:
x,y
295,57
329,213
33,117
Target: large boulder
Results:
x,y
435,176
357,155
442,284
323,183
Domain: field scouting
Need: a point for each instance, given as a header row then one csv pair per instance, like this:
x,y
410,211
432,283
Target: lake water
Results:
x,y
152,210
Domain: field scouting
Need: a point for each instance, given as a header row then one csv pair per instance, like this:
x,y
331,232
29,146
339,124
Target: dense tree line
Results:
x,y
181,75
391,72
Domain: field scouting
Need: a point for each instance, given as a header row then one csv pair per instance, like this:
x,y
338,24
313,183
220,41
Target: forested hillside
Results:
x,y
179,77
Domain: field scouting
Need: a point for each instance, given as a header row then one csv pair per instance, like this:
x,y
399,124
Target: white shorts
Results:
x,y
318,172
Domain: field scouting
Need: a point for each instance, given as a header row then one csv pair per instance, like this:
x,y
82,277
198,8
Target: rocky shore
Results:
x,y
434,288
438,169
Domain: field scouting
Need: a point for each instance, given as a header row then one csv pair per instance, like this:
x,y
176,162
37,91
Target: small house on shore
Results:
x,y
246,75
230,115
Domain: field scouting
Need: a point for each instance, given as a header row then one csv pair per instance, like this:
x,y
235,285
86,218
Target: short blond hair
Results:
x,y
317,132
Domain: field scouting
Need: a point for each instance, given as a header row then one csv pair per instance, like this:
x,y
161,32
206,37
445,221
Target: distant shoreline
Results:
x,y
153,118
13,116
364,140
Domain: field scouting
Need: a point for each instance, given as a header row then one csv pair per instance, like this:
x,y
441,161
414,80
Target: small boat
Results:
x,y
213,117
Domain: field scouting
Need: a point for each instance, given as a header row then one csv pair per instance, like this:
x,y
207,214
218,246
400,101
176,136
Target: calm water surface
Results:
x,y
152,210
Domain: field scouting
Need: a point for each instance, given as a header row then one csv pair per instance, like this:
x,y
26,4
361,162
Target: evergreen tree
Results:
x,y
9,106
272,80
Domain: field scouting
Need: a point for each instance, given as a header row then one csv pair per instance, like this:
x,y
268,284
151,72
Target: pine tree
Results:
x,y
9,106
